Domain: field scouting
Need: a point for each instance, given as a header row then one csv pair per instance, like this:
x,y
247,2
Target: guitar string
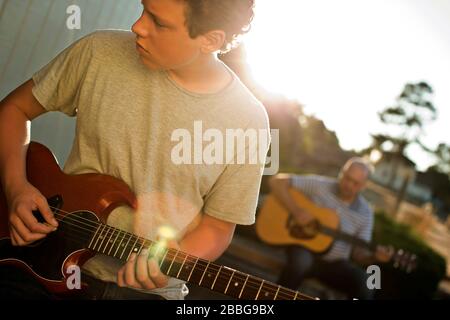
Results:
x,y
169,254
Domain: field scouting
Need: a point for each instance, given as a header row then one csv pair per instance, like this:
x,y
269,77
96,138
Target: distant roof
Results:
x,y
389,155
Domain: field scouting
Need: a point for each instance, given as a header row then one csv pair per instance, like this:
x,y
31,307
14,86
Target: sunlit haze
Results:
x,y
347,60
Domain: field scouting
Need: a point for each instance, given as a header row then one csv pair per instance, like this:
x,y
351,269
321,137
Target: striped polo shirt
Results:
x,y
355,219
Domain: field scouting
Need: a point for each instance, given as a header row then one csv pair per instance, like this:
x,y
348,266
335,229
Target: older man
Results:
x,y
336,267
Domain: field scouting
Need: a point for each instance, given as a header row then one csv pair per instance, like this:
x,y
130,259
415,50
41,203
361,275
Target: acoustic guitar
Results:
x,y
81,204
276,226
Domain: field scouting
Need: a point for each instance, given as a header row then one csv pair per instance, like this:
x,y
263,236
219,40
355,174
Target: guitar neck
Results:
x,y
174,263
339,235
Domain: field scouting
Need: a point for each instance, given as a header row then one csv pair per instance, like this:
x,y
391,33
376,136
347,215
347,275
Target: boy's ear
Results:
x,y
213,41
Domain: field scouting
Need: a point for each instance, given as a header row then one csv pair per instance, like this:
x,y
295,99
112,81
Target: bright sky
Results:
x,y
346,60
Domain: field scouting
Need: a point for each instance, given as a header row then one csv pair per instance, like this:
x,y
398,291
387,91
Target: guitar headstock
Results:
x,y
404,260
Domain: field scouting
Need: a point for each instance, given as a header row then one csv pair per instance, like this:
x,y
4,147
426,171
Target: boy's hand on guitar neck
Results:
x,y
142,271
23,225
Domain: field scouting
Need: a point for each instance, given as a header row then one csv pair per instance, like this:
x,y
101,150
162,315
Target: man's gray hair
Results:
x,y
360,163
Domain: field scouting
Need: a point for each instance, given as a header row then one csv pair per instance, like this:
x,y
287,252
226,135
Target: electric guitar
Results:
x,y
81,204
276,226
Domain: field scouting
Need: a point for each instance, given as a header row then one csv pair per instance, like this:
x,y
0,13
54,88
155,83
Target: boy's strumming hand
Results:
x,y
23,225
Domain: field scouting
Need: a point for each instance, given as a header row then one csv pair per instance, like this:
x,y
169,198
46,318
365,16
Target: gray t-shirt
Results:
x,y
355,219
141,127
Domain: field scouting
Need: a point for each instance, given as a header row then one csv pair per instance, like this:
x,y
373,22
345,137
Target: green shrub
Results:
x,y
431,267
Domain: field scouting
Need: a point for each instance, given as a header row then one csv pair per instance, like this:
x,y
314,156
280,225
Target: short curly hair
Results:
x,y
234,17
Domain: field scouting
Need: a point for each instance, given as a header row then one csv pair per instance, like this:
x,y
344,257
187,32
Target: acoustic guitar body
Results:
x,y
272,225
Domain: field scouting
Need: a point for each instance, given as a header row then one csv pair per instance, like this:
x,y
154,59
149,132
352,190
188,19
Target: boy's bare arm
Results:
x,y
16,112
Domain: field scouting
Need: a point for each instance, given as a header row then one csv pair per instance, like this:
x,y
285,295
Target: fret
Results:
x,y
276,294
126,245
223,279
211,273
226,289
268,291
252,288
99,237
215,279
93,237
143,246
246,279
171,264
140,249
201,275
300,296
109,242
104,235
178,264
204,272
259,291
163,260
114,242
185,267
133,248
198,271
115,253
192,270
286,294
182,265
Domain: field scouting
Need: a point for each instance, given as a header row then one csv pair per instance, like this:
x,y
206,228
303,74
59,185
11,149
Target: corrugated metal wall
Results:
x,y
32,32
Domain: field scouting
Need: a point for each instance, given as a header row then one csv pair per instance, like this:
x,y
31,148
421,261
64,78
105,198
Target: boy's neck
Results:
x,y
204,76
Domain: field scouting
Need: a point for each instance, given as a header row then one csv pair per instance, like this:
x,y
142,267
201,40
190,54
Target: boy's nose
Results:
x,y
139,29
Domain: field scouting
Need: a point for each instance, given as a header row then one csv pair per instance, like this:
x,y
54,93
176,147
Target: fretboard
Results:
x,y
174,263
346,237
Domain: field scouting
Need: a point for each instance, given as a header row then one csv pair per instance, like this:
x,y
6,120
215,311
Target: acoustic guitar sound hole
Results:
x,y
302,232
